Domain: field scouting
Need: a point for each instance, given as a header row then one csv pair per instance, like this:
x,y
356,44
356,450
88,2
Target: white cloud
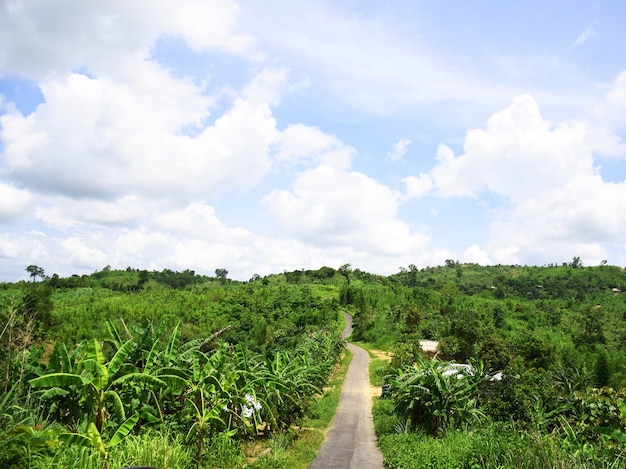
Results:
x,y
331,207
302,143
520,154
476,255
99,138
128,161
78,253
613,110
357,55
584,210
588,33
557,204
399,149
13,202
418,186
69,34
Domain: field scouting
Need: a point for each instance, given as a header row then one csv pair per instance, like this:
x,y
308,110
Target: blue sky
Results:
x,y
278,135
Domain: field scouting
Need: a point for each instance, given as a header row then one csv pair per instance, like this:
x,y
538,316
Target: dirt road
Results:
x,y
351,442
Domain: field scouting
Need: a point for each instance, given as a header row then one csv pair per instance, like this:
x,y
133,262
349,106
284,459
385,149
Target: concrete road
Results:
x,y
351,442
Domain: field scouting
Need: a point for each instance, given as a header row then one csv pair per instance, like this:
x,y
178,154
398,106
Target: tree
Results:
x,y
221,274
346,271
35,271
576,263
37,306
464,331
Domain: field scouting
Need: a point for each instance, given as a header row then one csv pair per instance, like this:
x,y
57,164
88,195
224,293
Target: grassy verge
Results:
x,y
379,359
298,448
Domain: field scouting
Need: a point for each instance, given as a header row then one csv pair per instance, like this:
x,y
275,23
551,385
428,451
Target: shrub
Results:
x,y
425,395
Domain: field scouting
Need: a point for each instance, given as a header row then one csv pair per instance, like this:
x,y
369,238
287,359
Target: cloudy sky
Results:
x,y
277,135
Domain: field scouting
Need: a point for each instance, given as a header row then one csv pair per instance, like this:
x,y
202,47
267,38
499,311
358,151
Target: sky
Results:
x,y
263,137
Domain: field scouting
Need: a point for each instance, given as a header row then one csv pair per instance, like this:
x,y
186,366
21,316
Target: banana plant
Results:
x,y
93,438
199,372
207,410
207,388
96,381
284,385
426,394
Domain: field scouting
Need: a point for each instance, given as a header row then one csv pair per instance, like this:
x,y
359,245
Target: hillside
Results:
x,y
556,334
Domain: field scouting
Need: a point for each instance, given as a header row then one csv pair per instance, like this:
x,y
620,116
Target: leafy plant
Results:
x,y
617,434
92,438
428,396
96,382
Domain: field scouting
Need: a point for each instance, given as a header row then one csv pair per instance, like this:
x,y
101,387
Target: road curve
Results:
x,y
351,442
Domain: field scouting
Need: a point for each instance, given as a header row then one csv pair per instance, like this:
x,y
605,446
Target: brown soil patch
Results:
x,y
382,355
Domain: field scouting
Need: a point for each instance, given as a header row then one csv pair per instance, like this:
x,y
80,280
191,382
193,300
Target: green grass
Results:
x,y
147,449
492,446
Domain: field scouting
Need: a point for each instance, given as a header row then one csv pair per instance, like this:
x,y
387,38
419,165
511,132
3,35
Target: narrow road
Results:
x,y
351,442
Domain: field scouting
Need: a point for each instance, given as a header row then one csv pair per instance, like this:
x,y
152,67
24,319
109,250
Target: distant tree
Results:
x,y
413,318
589,330
325,272
537,352
412,275
494,352
576,263
37,306
346,271
498,316
465,327
35,271
221,274
55,281
143,278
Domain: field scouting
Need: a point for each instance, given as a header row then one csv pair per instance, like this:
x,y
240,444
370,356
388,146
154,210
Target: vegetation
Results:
x,y
217,373
126,360
545,381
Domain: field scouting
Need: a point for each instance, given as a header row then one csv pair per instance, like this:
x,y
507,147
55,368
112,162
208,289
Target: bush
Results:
x,y
425,395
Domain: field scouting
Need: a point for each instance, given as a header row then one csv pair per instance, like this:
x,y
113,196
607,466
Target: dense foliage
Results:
x,y
96,365
545,345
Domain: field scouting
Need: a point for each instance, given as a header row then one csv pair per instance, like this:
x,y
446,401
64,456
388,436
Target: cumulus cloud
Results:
x,y
300,143
520,154
476,255
399,149
556,201
63,36
586,210
94,137
128,161
613,110
418,186
332,207
13,202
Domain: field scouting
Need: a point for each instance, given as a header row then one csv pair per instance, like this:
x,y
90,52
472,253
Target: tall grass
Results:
x,y
492,446
147,449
